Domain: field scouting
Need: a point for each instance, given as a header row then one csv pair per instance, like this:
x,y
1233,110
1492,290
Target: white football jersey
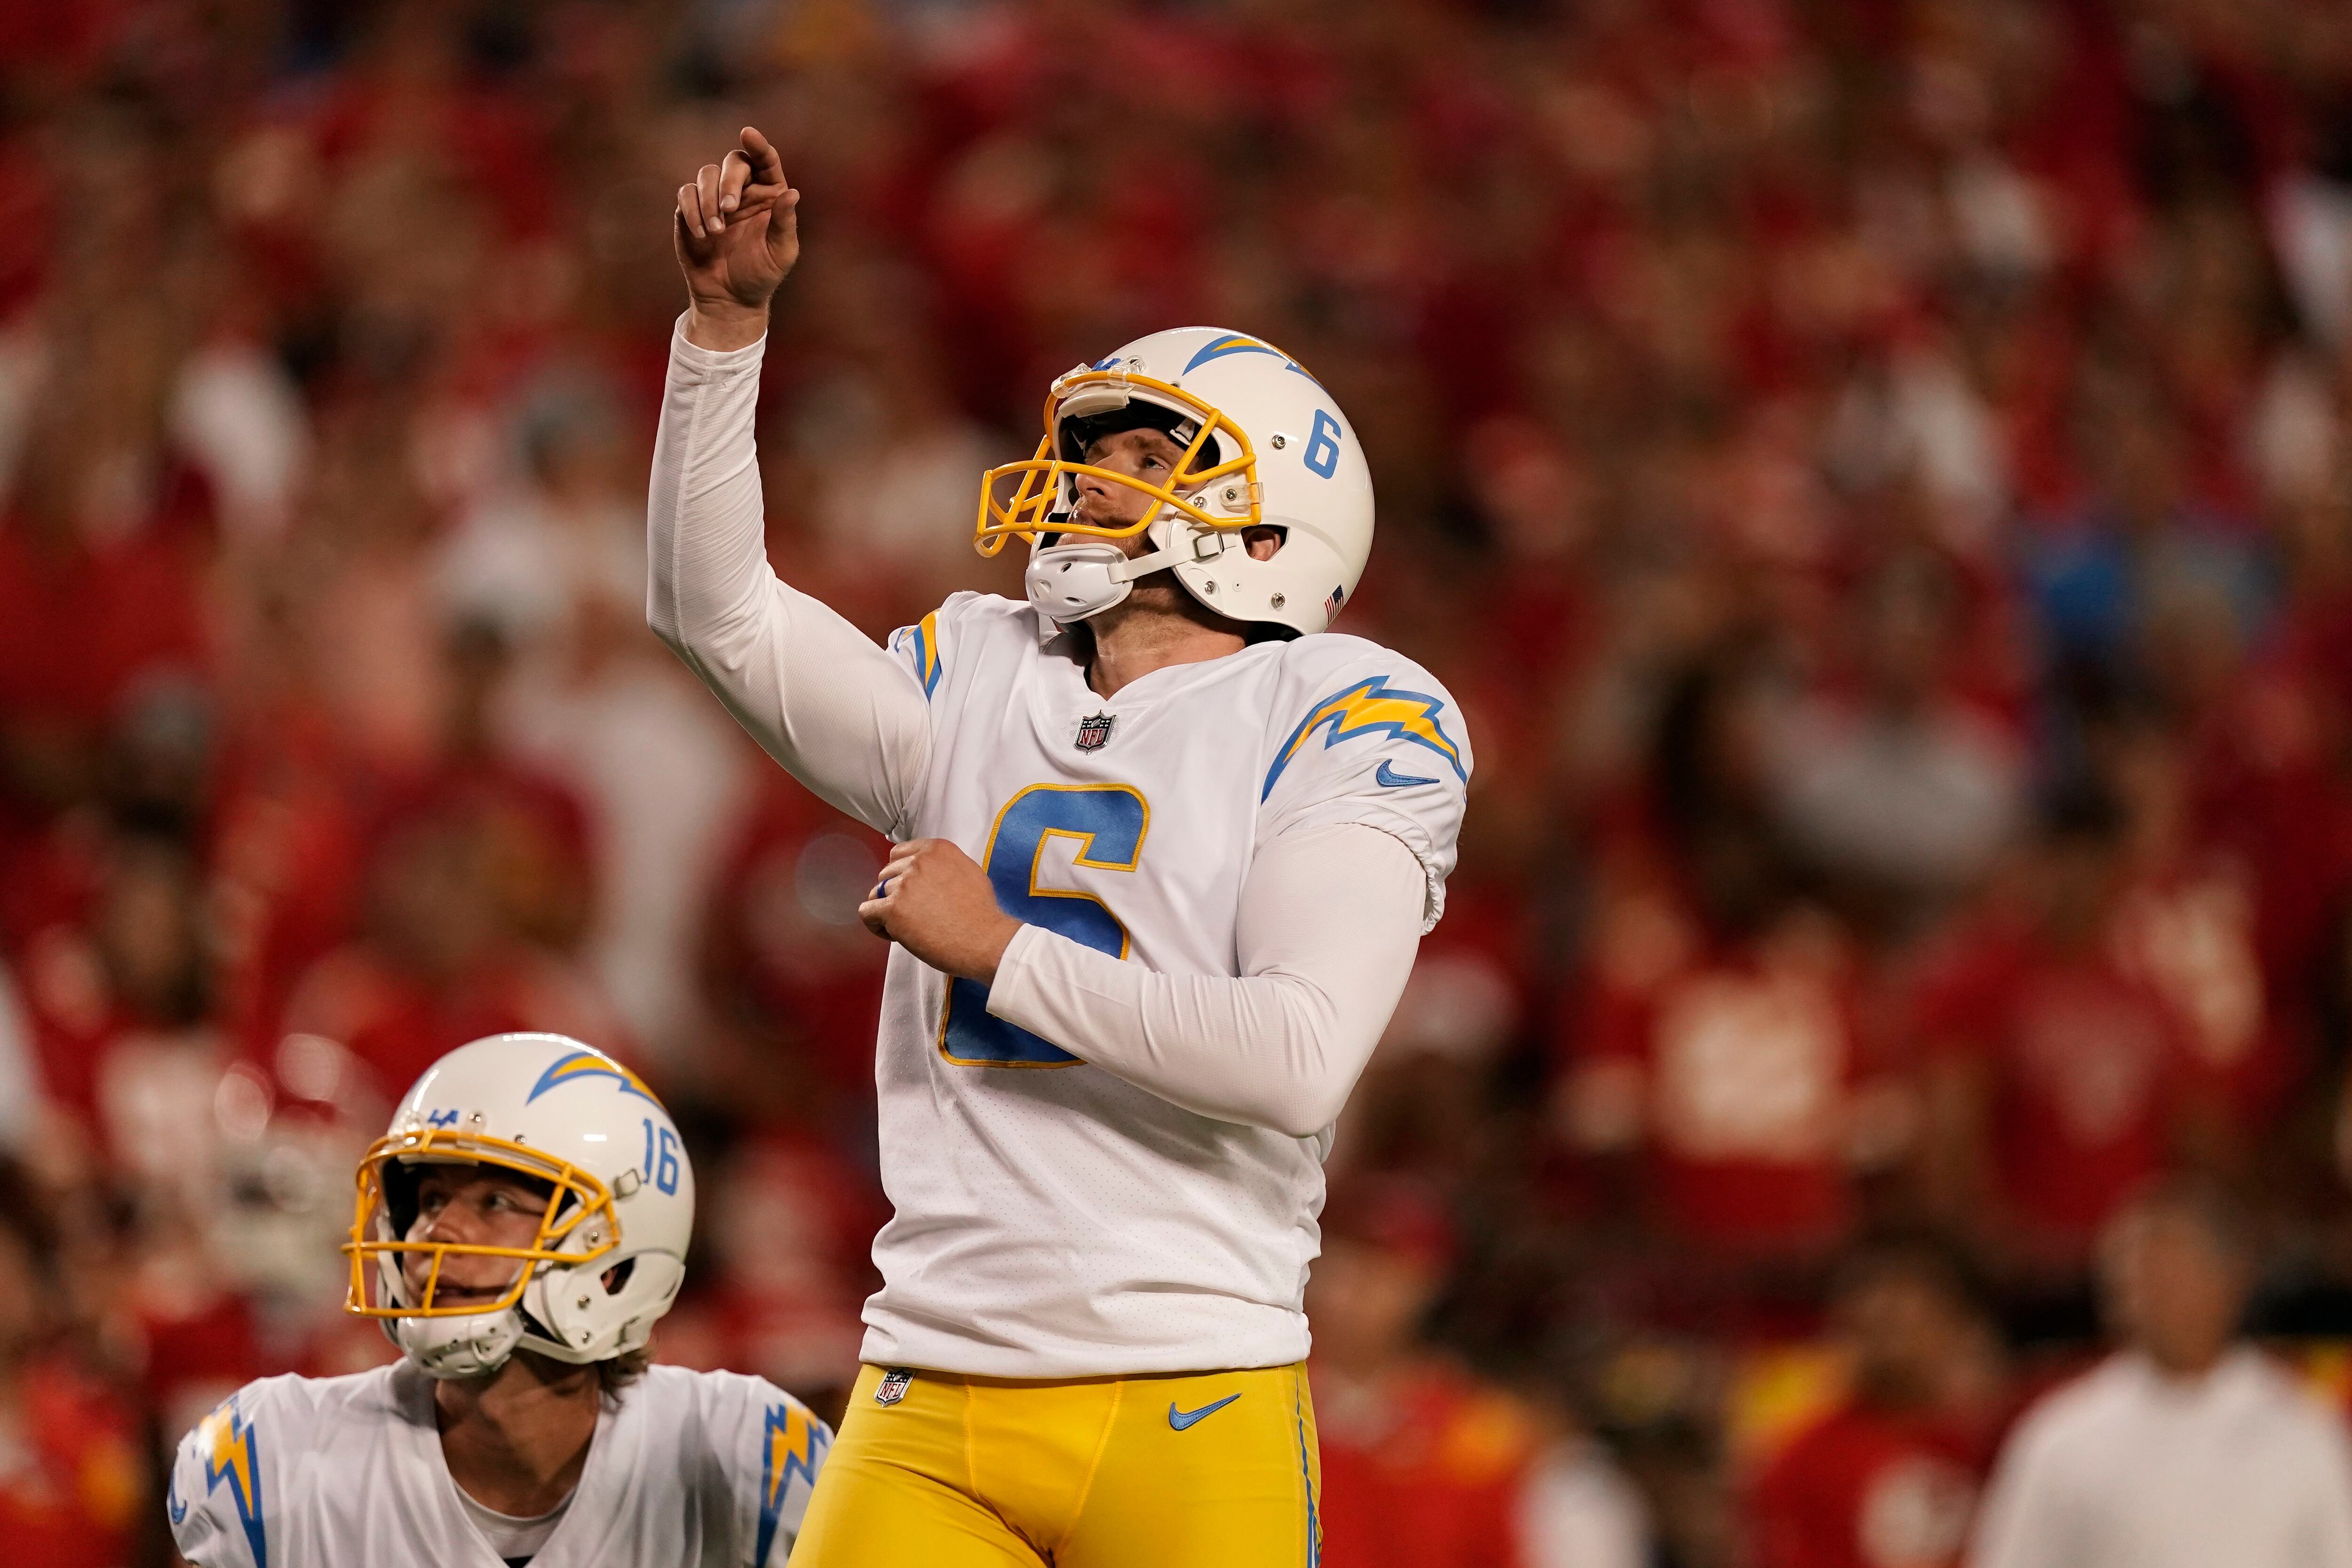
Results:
x,y
1051,1219
687,1468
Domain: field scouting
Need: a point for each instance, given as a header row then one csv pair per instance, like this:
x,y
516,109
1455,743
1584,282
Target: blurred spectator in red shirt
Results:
x,y
150,1103
72,1486
1735,1073
2058,1081
102,565
2189,922
476,893
156,773
123,988
542,851
1422,1104
1716,1037
785,958
1888,1479
1422,1464
441,962
289,819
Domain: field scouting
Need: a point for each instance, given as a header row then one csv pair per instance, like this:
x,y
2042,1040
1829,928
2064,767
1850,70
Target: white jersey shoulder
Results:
x,y
220,1484
292,1472
1375,739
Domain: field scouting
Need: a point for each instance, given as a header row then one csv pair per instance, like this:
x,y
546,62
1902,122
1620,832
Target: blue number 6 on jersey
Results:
x,y
1108,821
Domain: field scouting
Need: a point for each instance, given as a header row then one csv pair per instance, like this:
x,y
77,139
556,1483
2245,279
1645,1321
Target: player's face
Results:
x,y
1143,453
1150,456
477,1205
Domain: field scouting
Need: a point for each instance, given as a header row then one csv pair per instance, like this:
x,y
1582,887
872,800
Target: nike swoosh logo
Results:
x,y
1185,1420
1389,778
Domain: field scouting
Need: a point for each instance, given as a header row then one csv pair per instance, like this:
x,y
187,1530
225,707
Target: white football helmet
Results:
x,y
611,1250
1264,444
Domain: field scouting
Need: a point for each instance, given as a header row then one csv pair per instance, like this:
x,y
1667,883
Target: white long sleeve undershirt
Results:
x,y
835,709
1328,917
1328,922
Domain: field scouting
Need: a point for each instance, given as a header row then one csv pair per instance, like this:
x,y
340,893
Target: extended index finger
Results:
x,y
767,164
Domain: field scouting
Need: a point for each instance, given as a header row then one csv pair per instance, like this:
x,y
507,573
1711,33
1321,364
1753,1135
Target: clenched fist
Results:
x,y
737,234
938,905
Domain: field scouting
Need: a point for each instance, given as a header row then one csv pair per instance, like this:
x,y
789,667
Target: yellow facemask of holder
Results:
x,y
1029,510
589,1201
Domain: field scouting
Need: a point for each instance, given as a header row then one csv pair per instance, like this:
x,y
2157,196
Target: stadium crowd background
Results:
x,y
1876,474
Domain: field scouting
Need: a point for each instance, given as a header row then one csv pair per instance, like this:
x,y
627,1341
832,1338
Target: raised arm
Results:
x,y
842,714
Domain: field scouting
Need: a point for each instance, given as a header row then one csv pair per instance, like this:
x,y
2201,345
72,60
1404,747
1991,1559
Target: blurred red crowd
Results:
x,y
1877,473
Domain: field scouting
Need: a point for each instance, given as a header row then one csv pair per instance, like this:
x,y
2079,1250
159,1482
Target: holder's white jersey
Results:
x,y
711,1469
1053,1219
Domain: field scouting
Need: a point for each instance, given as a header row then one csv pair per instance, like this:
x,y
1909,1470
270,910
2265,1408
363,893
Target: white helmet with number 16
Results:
x,y
609,1253
1264,446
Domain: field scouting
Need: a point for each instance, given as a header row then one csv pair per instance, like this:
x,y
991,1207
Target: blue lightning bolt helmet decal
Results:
x,y
579,1064
1218,348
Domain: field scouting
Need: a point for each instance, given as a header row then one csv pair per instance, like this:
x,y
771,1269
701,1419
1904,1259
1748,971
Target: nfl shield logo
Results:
x,y
1095,733
893,1387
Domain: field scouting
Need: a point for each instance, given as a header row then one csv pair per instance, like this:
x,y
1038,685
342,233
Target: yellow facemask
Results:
x,y
1028,511
580,1200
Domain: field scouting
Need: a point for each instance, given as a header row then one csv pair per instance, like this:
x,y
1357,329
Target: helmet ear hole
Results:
x,y
616,1279
399,1182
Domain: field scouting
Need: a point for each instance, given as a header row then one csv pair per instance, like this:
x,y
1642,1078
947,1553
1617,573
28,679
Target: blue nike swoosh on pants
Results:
x,y
1183,1420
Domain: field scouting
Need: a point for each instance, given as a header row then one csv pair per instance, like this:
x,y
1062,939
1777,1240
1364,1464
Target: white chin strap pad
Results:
x,y
458,1347
1070,581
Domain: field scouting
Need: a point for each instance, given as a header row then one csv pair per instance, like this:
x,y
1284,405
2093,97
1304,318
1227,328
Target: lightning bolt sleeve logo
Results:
x,y
792,1444
1371,707
920,643
232,1454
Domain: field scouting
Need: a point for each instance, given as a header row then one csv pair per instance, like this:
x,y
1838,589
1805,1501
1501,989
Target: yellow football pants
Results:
x,y
1194,1470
